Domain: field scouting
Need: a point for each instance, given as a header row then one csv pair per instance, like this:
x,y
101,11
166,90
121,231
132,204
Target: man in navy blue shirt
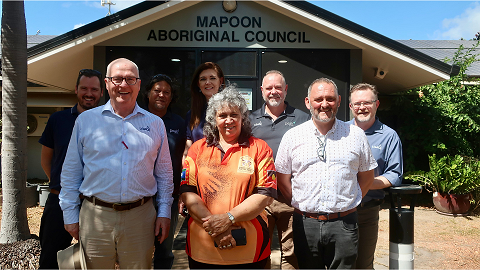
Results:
x,y
269,123
387,151
55,140
160,94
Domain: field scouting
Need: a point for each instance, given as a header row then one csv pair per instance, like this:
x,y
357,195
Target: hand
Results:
x,y
181,205
214,225
162,228
73,229
225,240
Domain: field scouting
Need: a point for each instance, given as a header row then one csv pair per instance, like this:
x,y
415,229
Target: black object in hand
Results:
x,y
239,235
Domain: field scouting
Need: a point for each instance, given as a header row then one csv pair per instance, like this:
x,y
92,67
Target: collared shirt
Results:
x,y
224,179
197,132
265,128
387,151
57,136
175,128
117,160
328,185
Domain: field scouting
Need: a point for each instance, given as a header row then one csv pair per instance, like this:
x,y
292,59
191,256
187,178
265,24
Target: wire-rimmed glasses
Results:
x,y
322,142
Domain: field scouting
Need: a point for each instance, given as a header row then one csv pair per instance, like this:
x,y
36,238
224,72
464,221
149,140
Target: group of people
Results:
x,y
120,174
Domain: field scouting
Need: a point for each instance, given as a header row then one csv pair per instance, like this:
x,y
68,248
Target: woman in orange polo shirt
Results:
x,y
228,179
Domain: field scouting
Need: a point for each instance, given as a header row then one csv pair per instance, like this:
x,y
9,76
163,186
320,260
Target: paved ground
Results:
x,y
441,242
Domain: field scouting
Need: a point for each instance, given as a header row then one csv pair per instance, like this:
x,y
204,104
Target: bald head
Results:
x,y
121,61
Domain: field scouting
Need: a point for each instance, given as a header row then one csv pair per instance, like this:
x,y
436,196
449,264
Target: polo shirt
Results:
x,y
57,135
174,125
387,151
265,128
329,184
224,180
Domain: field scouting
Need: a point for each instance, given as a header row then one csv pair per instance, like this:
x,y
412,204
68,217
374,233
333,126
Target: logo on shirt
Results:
x,y
184,177
147,128
291,124
257,124
176,131
245,165
379,147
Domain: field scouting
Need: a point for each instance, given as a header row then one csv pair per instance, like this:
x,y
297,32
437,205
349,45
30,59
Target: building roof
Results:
x,y
407,66
445,49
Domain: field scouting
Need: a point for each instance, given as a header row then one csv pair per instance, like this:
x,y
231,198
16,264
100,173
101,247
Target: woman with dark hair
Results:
x,y
160,93
207,81
228,179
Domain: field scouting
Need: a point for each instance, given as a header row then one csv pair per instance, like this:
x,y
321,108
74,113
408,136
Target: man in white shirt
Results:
x,y
325,167
117,159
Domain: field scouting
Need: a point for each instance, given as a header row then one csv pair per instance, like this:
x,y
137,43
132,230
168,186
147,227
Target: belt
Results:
x,y
325,216
117,206
371,203
54,191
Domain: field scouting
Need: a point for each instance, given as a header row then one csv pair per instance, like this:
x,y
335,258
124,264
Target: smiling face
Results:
x,y
363,105
322,102
209,83
123,97
88,93
159,97
229,123
274,90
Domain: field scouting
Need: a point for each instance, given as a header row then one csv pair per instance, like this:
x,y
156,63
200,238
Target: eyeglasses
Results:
x,y
364,103
118,80
322,142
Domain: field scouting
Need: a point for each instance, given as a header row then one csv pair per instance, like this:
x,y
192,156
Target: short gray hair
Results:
x,y
323,80
119,60
273,71
228,97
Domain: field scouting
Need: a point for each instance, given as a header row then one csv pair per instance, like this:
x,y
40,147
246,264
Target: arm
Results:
x,y
285,185
247,210
188,144
163,173
196,207
392,170
365,180
380,182
46,160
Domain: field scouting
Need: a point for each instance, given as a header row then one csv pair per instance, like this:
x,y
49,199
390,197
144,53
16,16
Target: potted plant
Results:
x,y
452,179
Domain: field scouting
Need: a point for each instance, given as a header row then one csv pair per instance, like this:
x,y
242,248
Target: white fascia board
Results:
x,y
358,38
119,25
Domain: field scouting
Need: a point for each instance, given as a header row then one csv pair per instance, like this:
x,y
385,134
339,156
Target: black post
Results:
x,y
401,227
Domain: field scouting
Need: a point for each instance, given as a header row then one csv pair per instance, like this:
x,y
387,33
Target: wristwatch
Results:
x,y
231,217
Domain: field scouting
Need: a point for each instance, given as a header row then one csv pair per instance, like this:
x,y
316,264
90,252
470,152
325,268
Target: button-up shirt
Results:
x,y
325,185
117,160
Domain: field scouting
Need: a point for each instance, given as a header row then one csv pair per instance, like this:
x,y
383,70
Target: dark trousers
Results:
x,y
53,236
367,236
325,244
192,264
163,256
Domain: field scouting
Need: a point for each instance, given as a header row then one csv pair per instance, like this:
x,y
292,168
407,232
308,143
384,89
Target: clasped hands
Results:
x,y
219,227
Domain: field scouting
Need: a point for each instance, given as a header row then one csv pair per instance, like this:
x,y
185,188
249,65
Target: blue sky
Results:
x,y
394,19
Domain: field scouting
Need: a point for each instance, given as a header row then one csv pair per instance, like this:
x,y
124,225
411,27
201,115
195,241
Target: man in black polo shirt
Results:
x,y
160,93
55,140
269,123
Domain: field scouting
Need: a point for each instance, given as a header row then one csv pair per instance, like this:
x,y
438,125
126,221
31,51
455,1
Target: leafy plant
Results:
x,y
441,118
449,174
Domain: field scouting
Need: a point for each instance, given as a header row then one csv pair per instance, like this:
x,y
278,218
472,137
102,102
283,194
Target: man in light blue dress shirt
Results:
x,y
387,151
117,159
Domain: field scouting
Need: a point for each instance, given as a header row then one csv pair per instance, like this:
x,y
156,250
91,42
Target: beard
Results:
x,y
273,102
363,119
317,117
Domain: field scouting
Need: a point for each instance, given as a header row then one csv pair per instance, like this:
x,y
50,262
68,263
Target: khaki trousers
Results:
x,y
108,235
281,215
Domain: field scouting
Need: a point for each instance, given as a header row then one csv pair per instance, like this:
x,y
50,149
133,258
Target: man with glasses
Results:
x,y
160,93
117,160
54,140
325,167
269,123
387,151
